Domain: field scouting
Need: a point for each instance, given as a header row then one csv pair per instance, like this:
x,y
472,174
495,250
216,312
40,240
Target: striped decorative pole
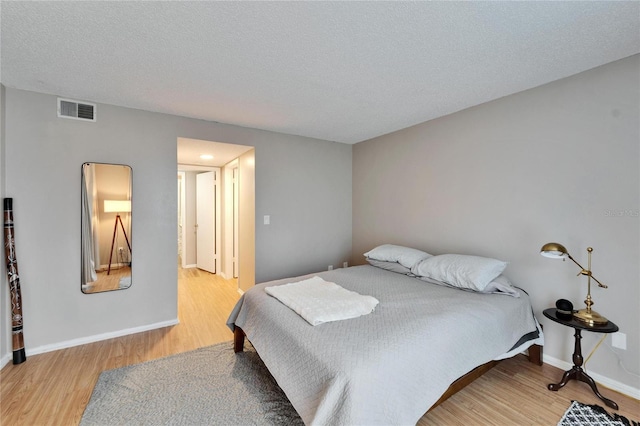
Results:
x,y
14,284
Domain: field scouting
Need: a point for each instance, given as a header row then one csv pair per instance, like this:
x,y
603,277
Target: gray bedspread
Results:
x,y
387,367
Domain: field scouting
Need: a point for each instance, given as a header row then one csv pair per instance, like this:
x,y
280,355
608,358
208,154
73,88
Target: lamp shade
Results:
x,y
117,206
554,251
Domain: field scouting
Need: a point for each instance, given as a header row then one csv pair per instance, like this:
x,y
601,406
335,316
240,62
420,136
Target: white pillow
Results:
x,y
500,285
390,266
405,256
458,270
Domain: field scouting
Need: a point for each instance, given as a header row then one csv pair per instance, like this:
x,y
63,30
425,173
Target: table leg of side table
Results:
x,y
577,373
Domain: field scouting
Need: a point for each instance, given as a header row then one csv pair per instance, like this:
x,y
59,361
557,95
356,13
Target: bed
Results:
x,y
389,366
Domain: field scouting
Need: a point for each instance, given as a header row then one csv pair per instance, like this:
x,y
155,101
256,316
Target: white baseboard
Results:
x,y
5,360
602,380
223,275
193,265
240,291
98,337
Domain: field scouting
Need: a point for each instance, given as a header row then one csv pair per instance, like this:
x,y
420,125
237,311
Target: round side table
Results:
x,y
576,372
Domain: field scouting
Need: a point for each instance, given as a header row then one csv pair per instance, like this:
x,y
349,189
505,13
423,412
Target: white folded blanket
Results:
x,y
319,301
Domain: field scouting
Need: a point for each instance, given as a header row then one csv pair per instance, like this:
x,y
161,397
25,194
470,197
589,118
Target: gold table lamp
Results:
x,y
589,316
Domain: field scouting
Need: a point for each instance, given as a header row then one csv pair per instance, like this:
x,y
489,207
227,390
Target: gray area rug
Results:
x,y
579,414
208,386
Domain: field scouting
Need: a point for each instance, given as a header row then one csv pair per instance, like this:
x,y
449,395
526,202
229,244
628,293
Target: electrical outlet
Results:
x,y
330,268
619,340
120,250
345,264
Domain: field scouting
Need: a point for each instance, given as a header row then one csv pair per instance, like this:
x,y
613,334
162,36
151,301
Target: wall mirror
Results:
x,y
106,227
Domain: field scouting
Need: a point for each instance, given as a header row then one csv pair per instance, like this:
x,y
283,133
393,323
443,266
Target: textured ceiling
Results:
x,y
341,71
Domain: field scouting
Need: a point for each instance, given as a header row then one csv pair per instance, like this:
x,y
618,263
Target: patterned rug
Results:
x,y
580,414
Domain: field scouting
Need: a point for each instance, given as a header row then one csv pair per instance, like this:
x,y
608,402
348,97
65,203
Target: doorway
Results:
x,y
199,218
225,178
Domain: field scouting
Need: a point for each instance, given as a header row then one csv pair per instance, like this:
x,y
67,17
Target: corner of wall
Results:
x,y
4,287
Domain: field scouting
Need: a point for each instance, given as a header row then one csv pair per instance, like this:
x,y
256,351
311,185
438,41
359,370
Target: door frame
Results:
x,y
227,269
183,202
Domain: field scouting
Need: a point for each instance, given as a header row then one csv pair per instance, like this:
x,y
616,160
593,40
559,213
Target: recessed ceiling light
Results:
x,y
206,157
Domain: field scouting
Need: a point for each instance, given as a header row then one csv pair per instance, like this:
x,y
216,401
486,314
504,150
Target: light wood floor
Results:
x,y
111,281
54,388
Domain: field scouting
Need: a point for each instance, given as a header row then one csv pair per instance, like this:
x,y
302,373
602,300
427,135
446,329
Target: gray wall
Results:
x,y
556,163
307,218
298,180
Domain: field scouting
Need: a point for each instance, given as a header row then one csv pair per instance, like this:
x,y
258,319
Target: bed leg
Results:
x,y
238,339
535,354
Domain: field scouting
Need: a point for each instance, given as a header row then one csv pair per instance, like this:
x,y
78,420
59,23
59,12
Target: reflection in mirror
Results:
x,y
106,227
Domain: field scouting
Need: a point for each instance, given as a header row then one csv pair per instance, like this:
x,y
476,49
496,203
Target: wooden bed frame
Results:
x,y
535,356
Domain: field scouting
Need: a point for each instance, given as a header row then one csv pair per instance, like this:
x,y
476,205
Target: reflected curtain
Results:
x,y
95,215
89,225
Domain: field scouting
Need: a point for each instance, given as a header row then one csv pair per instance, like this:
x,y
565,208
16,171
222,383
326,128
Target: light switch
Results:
x,y
267,219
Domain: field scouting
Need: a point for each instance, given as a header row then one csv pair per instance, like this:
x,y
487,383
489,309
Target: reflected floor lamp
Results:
x,y
117,206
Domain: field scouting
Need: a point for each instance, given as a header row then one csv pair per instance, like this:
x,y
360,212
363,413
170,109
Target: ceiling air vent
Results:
x,y
68,108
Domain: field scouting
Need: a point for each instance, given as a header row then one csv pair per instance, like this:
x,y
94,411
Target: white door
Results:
x,y
206,196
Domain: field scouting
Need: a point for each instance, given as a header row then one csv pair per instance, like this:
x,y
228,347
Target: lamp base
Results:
x,y
590,317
